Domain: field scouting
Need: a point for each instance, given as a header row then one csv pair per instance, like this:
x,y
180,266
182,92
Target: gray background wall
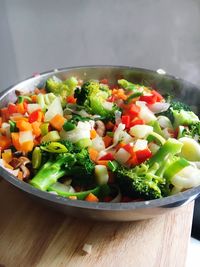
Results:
x,y
39,35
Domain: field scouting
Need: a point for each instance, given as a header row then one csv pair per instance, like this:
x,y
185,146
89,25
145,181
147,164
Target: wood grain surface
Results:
x,y
33,235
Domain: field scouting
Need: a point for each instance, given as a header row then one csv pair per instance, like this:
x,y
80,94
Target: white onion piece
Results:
x,y
118,132
140,103
98,143
190,149
25,136
80,132
140,144
154,148
166,133
188,177
54,109
146,114
195,164
159,107
33,107
108,105
141,131
118,117
122,156
125,137
164,122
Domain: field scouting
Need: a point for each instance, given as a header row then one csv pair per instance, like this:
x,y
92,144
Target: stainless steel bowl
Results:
x,y
181,89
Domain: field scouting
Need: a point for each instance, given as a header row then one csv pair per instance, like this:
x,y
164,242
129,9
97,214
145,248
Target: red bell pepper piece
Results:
x,y
136,122
129,148
12,108
108,156
126,120
149,99
5,114
143,155
35,116
158,96
134,110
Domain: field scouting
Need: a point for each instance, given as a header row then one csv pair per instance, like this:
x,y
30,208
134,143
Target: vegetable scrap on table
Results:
x,y
93,141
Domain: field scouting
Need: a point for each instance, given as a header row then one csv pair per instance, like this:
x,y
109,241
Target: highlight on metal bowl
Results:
x,y
95,141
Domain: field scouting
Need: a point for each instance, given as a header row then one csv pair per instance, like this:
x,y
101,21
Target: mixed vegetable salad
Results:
x,y
93,141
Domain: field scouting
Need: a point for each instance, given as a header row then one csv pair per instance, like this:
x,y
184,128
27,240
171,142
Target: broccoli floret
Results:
x,y
61,88
93,96
174,105
75,163
148,180
192,131
182,117
141,182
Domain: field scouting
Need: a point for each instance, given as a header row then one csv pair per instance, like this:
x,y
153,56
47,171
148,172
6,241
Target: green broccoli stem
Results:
x,y
171,146
49,173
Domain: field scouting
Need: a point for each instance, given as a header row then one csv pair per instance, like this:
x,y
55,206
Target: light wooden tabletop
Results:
x,y
33,235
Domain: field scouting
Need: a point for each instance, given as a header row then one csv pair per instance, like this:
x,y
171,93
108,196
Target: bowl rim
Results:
x,y
189,194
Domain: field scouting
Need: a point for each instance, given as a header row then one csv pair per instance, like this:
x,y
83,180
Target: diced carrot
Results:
x,y
20,175
27,146
72,197
57,122
93,134
20,108
107,140
23,125
109,125
0,121
15,141
71,99
37,91
102,162
36,128
92,198
7,156
5,142
34,98
93,153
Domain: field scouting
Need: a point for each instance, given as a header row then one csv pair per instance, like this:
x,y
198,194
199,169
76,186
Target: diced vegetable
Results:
x,y
101,174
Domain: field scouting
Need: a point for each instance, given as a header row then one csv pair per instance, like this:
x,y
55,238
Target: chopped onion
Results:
x,y
98,143
146,114
54,108
140,144
118,117
141,131
164,122
25,136
108,105
33,107
122,156
166,133
159,107
118,132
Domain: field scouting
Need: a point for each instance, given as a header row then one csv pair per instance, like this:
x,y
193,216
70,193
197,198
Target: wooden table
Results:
x,y
32,235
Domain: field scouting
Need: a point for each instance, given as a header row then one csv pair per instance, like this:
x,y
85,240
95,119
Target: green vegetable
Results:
x,y
45,100
21,98
183,117
61,88
83,143
93,97
156,137
44,127
175,167
192,130
128,85
156,127
147,180
13,127
51,136
51,171
68,126
36,158
63,190
134,95
113,165
54,147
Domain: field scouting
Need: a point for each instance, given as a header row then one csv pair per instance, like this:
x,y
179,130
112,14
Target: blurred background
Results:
x,y
41,35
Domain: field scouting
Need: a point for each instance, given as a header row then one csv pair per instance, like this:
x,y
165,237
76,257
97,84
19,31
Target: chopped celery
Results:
x,y
54,147
51,136
36,158
44,127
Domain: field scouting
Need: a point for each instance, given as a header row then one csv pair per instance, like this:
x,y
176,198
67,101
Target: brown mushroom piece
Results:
x,y
23,167
100,128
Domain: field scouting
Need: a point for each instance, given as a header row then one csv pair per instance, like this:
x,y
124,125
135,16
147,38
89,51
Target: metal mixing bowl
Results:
x,y
181,89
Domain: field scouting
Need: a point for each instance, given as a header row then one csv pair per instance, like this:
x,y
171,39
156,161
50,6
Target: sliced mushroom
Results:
x,y
100,128
15,163
23,167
